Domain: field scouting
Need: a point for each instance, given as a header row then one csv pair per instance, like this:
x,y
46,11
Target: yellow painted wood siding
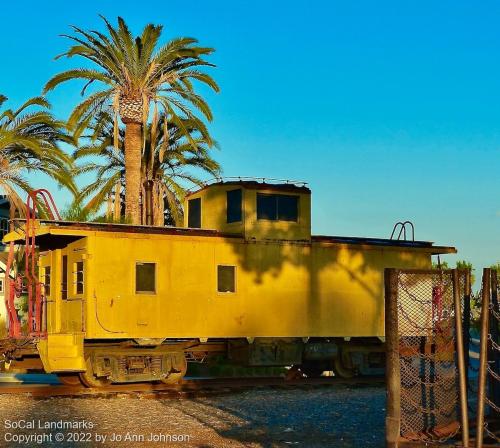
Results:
x,y
282,289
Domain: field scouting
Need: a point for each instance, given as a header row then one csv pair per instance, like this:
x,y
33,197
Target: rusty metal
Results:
x,y
25,364
13,324
461,361
33,287
466,318
483,358
393,405
187,388
491,406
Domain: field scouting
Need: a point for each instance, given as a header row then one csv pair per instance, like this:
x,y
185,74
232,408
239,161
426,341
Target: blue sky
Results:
x,y
390,110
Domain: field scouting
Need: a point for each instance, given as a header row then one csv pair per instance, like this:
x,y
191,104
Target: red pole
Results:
x,y
10,294
30,224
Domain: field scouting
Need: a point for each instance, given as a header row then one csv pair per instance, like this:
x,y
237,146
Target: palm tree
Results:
x,y
29,141
133,74
170,163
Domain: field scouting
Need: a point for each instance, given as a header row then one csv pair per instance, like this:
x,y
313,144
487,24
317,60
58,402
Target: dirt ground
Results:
x,y
320,417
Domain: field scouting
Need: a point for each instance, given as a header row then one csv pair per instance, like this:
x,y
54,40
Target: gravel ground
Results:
x,y
321,417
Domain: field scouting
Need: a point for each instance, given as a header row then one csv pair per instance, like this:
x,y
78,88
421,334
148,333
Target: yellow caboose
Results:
x,y
244,277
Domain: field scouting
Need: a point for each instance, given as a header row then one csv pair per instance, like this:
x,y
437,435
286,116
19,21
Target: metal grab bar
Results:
x,y
402,230
33,287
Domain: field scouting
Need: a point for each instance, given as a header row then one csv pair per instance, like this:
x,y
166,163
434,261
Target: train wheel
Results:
x,y
69,379
89,379
341,370
176,371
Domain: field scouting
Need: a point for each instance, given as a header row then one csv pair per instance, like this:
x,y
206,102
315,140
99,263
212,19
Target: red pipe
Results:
x,y
36,300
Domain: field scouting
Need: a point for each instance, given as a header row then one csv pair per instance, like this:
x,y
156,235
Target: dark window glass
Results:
x,y
226,278
64,278
276,207
46,280
145,277
79,277
194,213
234,198
267,206
288,207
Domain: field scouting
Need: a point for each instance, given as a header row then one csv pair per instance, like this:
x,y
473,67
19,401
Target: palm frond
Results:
x,y
30,140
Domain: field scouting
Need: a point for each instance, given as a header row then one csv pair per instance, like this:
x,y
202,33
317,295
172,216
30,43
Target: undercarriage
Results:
x,y
126,361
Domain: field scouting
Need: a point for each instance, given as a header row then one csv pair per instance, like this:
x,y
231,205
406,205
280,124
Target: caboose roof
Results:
x,y
277,185
56,234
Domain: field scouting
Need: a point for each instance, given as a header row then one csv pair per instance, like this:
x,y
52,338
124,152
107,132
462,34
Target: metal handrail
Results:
x,y
28,281
263,180
402,231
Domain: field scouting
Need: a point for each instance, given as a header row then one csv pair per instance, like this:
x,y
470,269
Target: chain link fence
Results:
x,y
424,338
488,389
471,317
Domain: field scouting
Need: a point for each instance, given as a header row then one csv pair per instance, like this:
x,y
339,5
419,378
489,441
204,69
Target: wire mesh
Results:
x,y
429,379
471,320
492,397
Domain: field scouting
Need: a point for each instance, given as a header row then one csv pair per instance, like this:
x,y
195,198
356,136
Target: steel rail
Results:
x,y
186,388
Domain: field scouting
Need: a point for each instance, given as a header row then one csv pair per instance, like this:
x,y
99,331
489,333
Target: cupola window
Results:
x,y
234,205
277,207
194,213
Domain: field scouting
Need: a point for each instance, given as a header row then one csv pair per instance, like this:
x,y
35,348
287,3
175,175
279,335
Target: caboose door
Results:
x,y
72,286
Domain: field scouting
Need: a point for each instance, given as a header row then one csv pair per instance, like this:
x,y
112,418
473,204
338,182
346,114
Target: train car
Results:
x,y
244,277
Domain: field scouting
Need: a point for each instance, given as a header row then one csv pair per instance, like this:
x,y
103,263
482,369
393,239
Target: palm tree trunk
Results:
x,y
133,146
12,215
117,204
159,212
148,202
109,207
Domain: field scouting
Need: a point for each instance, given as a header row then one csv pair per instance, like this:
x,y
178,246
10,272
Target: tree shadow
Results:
x,y
284,419
328,282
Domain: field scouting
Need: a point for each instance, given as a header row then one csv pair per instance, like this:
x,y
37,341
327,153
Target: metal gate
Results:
x,y
426,380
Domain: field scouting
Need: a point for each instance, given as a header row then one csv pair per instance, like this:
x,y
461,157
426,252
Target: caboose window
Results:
x,y
233,209
226,278
145,278
194,213
277,207
46,280
64,277
79,277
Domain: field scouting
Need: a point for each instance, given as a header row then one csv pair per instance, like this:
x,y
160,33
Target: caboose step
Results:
x,y
62,352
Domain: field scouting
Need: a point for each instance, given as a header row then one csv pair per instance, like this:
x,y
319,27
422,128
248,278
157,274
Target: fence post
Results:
x,y
461,361
483,358
466,324
393,384
493,330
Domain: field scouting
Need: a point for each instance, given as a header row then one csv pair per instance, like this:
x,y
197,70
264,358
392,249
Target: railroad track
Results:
x,y
188,388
